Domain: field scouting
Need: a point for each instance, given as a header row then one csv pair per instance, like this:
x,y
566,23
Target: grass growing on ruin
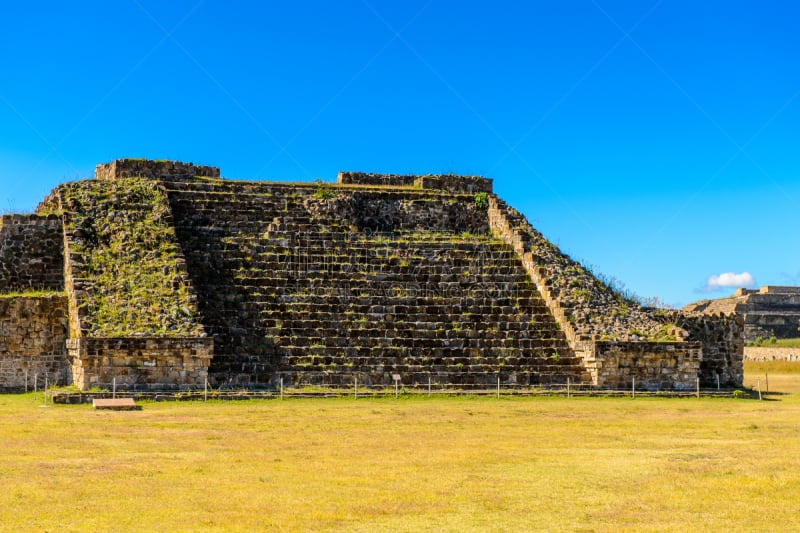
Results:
x,y
128,251
450,464
33,293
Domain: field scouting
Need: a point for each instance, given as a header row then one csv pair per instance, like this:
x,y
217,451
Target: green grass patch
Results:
x,y
32,294
772,342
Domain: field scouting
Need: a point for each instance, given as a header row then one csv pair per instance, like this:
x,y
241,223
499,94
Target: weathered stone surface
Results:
x,y
173,279
366,178
139,363
325,286
33,331
768,311
585,307
114,404
591,313
722,337
143,168
126,275
766,353
455,184
379,211
445,182
31,253
646,365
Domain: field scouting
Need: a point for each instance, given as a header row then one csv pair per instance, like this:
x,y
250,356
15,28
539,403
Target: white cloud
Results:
x,y
729,280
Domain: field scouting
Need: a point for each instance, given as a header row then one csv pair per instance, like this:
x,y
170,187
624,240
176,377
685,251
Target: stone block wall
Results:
x,y
368,178
383,211
140,363
297,285
722,338
455,184
444,182
33,331
142,168
767,311
766,353
654,365
31,253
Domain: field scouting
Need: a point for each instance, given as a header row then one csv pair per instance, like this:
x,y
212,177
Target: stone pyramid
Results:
x,y
162,275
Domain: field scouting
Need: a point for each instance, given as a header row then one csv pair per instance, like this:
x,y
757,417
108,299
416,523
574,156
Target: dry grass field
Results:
x,y
443,464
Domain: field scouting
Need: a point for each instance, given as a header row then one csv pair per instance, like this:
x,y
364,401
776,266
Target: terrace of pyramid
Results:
x,y
160,275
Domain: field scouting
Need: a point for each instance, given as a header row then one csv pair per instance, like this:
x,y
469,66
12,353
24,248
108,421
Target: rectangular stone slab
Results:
x,y
114,403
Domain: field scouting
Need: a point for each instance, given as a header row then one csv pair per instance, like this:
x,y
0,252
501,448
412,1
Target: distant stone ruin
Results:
x,y
771,311
161,275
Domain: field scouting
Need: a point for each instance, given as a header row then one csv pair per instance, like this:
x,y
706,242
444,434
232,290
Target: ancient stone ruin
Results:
x,y
161,275
771,311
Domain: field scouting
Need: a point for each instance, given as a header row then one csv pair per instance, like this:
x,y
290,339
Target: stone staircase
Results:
x,y
292,286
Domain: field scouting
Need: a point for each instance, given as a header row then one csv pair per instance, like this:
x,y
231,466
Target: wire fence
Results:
x,y
398,390
754,386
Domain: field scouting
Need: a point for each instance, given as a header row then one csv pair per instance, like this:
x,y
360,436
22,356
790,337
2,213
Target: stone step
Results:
x,y
324,243
237,189
440,354
449,318
376,358
433,364
340,338
491,327
413,377
280,282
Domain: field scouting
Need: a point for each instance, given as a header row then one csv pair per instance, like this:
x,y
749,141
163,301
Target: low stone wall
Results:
x,y
455,184
369,178
765,353
165,170
385,211
33,331
722,337
654,365
31,253
444,182
140,363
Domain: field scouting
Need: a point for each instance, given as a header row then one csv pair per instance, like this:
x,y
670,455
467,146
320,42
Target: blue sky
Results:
x,y
656,141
